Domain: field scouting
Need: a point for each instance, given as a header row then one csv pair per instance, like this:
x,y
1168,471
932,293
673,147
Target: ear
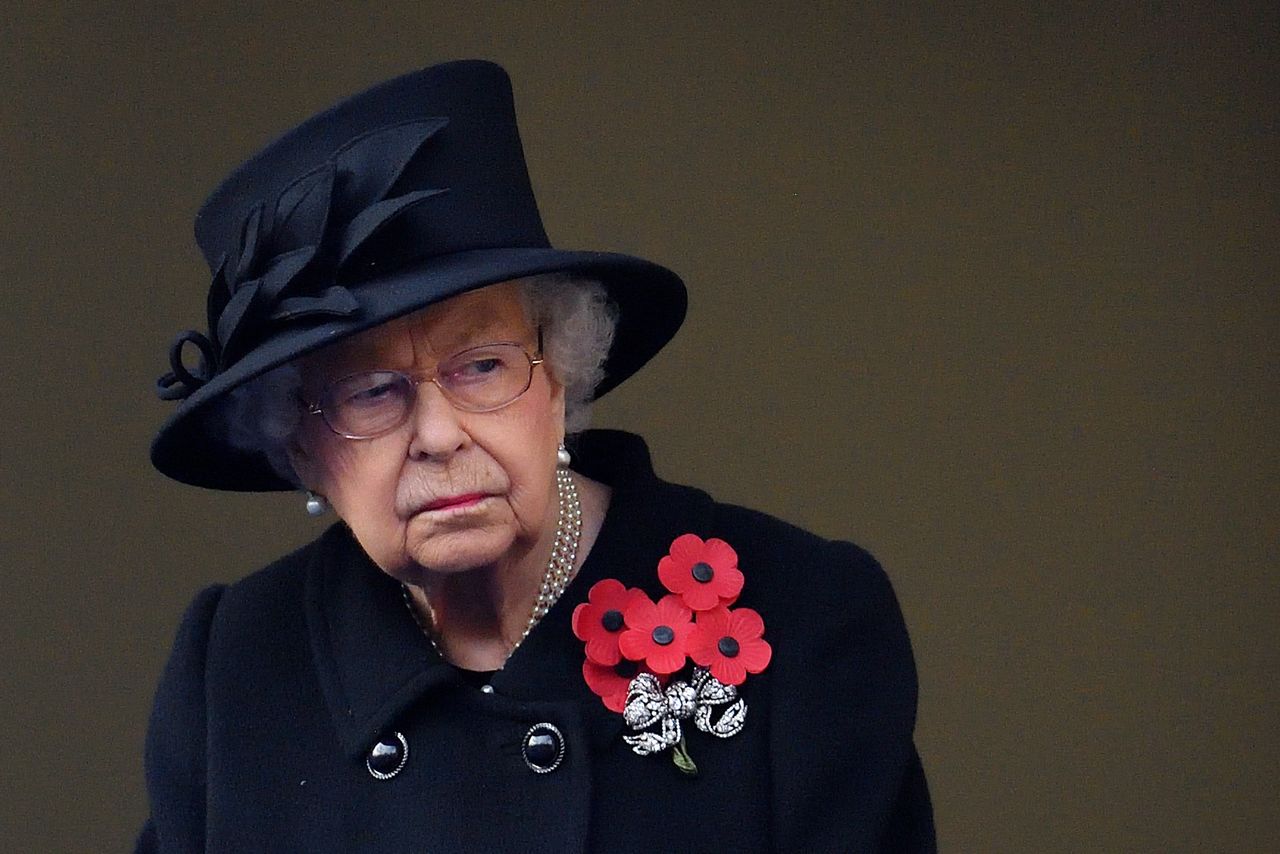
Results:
x,y
558,405
304,463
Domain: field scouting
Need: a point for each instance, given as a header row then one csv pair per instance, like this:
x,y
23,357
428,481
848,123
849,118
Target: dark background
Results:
x,y
991,292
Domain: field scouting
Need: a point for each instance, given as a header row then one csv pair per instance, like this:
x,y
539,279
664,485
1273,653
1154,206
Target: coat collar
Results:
x,y
374,663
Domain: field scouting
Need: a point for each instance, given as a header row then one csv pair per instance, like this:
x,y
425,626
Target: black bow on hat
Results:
x,y
319,225
411,192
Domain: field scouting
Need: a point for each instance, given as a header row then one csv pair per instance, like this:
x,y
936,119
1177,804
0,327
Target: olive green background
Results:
x,y
990,291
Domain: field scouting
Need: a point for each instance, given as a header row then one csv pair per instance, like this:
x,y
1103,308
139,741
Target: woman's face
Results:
x,y
447,490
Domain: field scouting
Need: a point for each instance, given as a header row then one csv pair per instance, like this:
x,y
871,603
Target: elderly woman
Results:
x,y
516,637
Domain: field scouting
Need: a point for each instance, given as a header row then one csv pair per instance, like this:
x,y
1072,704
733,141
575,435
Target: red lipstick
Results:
x,y
464,500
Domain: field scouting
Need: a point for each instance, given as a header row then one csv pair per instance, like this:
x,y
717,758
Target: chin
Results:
x,y
460,551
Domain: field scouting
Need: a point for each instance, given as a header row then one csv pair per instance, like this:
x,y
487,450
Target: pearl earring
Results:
x,y
562,456
316,504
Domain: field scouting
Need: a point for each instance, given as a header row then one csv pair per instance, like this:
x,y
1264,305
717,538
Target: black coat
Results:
x,y
279,685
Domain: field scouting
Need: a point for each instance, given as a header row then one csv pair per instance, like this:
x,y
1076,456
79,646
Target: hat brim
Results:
x,y
651,302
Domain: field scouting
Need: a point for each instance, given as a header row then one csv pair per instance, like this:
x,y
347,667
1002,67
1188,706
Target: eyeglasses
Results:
x,y
479,379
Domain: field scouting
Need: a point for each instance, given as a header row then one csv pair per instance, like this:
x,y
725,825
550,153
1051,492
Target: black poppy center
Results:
x,y
703,572
626,669
663,635
612,620
728,647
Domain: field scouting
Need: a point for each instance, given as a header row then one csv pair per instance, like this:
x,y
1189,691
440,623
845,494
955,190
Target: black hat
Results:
x,y
406,194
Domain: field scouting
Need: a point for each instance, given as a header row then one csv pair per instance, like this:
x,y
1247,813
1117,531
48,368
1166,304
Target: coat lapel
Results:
x,y
371,659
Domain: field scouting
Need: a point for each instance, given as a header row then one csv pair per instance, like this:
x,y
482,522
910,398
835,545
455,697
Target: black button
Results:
x,y
612,620
387,757
728,647
703,572
543,748
663,635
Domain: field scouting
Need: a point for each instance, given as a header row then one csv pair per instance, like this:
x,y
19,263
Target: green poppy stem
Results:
x,y
680,756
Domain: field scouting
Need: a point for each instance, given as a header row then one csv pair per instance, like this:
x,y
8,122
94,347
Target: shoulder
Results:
x,y
841,688
795,567
285,573
255,613
274,589
790,570
226,625
224,628
829,609
251,600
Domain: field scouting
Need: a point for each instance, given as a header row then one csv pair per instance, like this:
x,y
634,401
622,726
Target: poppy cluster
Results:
x,y
627,633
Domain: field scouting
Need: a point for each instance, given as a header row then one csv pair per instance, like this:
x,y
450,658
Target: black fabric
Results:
x,y
475,677
278,686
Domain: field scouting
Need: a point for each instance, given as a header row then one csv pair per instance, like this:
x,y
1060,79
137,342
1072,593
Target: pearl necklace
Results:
x,y
560,567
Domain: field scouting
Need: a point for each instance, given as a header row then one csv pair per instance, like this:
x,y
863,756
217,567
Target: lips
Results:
x,y
453,501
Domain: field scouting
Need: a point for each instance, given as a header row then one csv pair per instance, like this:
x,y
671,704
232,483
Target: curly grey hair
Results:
x,y
578,323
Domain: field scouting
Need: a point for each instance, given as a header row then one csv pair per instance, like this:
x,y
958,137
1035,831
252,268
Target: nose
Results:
x,y
438,432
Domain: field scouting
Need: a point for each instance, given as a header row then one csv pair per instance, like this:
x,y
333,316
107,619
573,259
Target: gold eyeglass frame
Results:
x,y
314,408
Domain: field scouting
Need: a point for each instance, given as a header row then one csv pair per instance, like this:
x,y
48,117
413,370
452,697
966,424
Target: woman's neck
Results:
x,y
478,618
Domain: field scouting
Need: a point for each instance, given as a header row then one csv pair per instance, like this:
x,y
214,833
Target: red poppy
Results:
x,y
611,683
704,574
599,622
657,634
730,644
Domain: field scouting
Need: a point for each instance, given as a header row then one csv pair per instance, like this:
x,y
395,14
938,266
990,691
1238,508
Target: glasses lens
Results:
x,y
487,377
364,405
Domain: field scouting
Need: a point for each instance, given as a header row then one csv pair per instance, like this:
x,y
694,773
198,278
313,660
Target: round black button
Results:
x,y
663,635
728,646
612,620
703,572
543,748
387,757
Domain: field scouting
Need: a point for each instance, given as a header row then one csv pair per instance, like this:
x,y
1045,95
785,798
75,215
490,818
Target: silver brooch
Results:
x,y
649,705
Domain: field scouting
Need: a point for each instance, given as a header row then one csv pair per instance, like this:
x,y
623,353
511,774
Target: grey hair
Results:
x,y
578,323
